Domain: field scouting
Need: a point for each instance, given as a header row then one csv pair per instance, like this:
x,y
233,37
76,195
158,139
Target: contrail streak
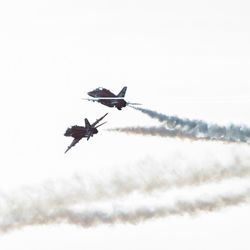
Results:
x,y
166,132
32,202
93,217
145,177
201,129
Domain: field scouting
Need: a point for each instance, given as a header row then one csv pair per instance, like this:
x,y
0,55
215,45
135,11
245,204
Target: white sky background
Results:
x,y
188,58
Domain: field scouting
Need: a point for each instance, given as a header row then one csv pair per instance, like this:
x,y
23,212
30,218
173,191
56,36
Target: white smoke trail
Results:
x,y
201,129
166,132
31,203
145,177
93,217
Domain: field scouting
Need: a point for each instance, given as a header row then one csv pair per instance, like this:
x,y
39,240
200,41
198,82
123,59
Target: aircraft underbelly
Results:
x,y
78,132
108,103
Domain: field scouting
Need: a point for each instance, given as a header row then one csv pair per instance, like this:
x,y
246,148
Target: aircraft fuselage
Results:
x,y
78,132
105,93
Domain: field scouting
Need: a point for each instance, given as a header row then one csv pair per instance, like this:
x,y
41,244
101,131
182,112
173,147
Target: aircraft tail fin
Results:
x,y
87,124
122,92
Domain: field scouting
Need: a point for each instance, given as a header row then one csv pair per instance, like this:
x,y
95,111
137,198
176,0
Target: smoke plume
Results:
x,y
166,132
144,177
93,217
201,129
49,203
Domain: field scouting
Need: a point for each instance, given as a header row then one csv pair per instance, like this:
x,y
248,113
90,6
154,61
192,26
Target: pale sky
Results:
x,y
184,58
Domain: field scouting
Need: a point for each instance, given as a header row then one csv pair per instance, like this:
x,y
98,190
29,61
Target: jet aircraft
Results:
x,y
107,98
79,132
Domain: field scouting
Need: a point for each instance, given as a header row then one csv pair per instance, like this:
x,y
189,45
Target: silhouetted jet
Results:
x,y
78,132
107,98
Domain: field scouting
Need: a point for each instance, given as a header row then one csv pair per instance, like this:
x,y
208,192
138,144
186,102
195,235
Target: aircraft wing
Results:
x,y
100,125
91,99
133,103
95,99
97,121
74,142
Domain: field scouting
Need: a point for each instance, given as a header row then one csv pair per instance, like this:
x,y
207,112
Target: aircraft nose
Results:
x,y
91,93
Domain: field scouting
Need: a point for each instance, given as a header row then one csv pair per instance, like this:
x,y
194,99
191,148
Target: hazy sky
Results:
x,y
184,58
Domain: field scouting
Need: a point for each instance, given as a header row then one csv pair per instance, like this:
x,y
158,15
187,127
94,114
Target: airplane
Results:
x,y
79,132
107,98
